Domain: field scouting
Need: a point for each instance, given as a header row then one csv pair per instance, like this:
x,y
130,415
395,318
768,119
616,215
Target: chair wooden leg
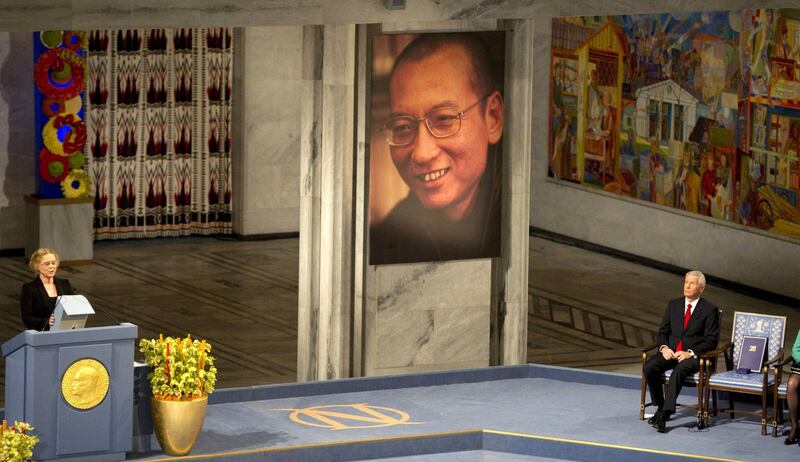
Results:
x,y
775,417
642,403
730,404
700,391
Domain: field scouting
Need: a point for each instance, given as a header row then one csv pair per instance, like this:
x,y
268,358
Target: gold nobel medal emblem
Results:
x,y
85,384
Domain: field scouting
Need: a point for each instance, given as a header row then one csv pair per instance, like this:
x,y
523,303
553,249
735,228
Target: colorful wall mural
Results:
x,y
695,111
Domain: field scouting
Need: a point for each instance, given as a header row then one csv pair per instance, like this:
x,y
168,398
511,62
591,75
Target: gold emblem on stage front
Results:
x,y
85,384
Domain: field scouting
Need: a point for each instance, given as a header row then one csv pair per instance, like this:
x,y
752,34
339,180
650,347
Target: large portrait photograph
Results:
x,y
437,116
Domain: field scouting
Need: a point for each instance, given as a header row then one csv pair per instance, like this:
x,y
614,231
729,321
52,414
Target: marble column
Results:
x,y
326,203
510,272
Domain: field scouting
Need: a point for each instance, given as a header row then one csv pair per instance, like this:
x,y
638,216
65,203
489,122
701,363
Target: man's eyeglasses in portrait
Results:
x,y
443,122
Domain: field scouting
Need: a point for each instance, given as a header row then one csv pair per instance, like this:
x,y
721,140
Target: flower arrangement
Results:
x,y
16,444
183,369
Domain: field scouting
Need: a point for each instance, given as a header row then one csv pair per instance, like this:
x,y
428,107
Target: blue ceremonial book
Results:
x,y
752,356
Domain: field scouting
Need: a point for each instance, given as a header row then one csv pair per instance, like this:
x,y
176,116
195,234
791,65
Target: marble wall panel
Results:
x,y
32,15
17,157
511,273
325,284
406,339
64,225
429,315
270,67
462,334
444,284
310,205
432,338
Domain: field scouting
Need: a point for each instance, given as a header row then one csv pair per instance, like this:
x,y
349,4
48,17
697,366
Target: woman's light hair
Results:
x,y
37,256
701,278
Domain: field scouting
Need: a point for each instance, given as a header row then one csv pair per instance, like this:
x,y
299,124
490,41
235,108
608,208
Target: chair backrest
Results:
x,y
758,325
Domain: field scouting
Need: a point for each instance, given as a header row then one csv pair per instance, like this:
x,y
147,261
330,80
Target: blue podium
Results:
x,y
76,388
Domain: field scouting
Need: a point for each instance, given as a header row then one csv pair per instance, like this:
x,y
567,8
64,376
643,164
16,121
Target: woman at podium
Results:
x,y
38,299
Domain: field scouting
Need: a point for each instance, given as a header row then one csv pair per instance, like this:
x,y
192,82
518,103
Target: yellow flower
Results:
x,y
76,184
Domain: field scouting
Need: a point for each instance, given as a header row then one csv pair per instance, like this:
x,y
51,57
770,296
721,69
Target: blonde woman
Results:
x,y
38,299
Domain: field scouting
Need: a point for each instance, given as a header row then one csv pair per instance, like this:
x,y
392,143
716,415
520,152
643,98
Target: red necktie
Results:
x,y
686,317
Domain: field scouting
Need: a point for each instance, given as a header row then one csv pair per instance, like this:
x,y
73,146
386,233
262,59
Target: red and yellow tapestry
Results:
x,y
158,116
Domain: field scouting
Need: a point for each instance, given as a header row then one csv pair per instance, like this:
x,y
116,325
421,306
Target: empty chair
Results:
x,y
761,383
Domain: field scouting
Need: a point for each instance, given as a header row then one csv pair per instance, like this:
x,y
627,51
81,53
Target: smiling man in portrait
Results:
x,y
444,134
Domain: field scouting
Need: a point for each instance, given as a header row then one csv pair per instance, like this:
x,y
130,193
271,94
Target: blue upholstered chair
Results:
x,y
761,384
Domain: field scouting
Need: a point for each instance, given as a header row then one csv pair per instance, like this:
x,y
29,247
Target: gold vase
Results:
x,y
177,423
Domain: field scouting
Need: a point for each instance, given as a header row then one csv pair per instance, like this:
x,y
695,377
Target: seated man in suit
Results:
x,y
690,328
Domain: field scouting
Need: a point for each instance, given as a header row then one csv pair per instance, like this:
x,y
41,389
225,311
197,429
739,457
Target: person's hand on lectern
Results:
x,y
52,319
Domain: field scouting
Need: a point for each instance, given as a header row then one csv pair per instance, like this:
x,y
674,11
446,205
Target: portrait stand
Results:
x,y
75,387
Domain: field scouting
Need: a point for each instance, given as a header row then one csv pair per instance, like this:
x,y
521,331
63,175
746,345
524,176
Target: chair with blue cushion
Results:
x,y
761,384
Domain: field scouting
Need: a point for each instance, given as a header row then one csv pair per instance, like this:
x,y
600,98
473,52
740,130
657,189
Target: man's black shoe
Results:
x,y
661,423
652,420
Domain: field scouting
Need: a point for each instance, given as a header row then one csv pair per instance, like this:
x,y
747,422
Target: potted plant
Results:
x,y
16,445
182,378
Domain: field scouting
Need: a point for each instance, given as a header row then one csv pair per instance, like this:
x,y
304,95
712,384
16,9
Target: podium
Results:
x,y
76,388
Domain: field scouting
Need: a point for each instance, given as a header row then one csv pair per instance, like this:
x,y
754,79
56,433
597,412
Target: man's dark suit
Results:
x,y
36,306
701,335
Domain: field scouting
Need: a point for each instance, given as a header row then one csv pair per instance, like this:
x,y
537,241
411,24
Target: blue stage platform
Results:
x,y
517,413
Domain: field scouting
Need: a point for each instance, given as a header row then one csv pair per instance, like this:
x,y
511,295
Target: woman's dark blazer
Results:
x,y
36,306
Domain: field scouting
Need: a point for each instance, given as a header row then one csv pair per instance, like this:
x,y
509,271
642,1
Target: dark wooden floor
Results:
x,y
240,296
585,310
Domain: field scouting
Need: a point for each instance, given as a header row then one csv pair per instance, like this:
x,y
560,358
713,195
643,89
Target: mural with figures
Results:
x,y
695,111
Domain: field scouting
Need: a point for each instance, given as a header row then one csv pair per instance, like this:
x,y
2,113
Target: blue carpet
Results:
x,y
527,417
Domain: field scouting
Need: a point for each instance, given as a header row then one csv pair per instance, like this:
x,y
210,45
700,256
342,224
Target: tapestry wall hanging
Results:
x,y
694,111
158,115
59,69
